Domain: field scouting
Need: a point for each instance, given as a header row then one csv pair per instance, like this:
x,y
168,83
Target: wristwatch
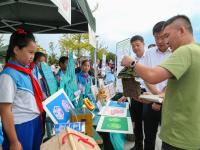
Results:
x,y
132,65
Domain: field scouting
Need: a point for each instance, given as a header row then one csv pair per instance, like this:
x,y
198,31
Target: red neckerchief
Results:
x,y
36,87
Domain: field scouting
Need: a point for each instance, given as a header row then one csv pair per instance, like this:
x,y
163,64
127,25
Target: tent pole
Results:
x,y
95,62
10,26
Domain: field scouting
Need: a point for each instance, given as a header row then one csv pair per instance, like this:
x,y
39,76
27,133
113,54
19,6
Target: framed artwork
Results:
x,y
115,125
58,107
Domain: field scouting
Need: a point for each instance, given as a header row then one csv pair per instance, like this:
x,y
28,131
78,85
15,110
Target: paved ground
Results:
x,y
129,145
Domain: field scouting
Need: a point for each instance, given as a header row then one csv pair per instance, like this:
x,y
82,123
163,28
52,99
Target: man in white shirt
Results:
x,y
136,109
152,112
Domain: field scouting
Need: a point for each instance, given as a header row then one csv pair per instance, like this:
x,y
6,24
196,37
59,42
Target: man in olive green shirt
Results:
x,y
180,127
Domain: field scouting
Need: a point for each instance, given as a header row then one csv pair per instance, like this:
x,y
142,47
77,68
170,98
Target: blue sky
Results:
x,y
120,19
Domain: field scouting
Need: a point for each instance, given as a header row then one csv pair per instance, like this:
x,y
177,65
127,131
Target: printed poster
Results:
x,y
78,126
110,90
115,125
58,107
117,104
64,8
113,111
122,48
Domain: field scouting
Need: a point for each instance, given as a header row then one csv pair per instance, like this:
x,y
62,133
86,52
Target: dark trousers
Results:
x,y
107,144
29,135
152,119
137,115
166,146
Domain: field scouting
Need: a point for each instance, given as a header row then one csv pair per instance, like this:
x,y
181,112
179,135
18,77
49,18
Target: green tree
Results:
x,y
110,56
101,52
78,43
52,57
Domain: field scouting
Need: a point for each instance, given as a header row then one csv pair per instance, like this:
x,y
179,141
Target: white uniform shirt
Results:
x,y
24,106
154,57
141,60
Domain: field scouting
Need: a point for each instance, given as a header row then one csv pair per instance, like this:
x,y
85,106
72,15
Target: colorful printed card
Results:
x,y
113,111
115,125
106,88
58,106
116,104
110,90
78,126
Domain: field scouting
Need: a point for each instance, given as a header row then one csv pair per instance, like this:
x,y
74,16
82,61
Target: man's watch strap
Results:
x,y
132,65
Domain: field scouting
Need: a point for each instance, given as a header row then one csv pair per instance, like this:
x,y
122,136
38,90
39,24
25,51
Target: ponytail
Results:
x,y
19,38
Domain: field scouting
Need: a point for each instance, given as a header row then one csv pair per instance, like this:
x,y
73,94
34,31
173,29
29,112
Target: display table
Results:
x,y
111,141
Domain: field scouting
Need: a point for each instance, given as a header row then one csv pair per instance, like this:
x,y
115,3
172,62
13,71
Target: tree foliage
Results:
x,y
79,44
111,56
52,56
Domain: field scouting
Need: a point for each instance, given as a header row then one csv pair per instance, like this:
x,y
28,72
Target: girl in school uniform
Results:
x,y
38,59
20,95
63,61
85,82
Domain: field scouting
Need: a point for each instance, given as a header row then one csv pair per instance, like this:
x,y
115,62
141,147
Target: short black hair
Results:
x,y
63,59
38,55
137,37
151,45
183,17
158,27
